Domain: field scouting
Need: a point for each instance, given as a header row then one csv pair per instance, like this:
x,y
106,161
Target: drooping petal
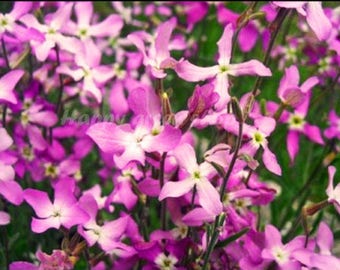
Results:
x,y
318,21
251,67
313,133
36,138
222,89
42,225
176,189
292,144
192,73
39,201
208,197
225,45
269,160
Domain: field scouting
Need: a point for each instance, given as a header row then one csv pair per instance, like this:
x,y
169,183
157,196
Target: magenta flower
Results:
x,y
282,254
64,211
158,58
333,193
220,72
315,16
130,143
7,84
195,175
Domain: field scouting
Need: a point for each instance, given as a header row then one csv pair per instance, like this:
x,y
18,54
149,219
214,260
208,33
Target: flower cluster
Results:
x,y
185,167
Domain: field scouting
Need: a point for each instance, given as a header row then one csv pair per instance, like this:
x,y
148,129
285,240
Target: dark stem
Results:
x,y
275,26
217,223
4,112
161,182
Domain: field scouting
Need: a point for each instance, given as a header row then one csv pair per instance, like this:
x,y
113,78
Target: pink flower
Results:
x,y
263,127
315,16
333,193
220,72
64,211
195,175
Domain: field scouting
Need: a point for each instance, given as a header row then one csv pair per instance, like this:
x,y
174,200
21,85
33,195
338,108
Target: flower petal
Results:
x,y
192,73
208,197
269,160
225,45
176,189
318,21
252,67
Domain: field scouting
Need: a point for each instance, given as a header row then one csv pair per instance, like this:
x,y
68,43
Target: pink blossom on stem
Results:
x,y
158,58
64,211
197,175
220,72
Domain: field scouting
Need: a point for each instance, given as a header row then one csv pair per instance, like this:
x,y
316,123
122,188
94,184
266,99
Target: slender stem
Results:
x,y
61,82
217,224
276,25
4,111
248,11
233,160
161,182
